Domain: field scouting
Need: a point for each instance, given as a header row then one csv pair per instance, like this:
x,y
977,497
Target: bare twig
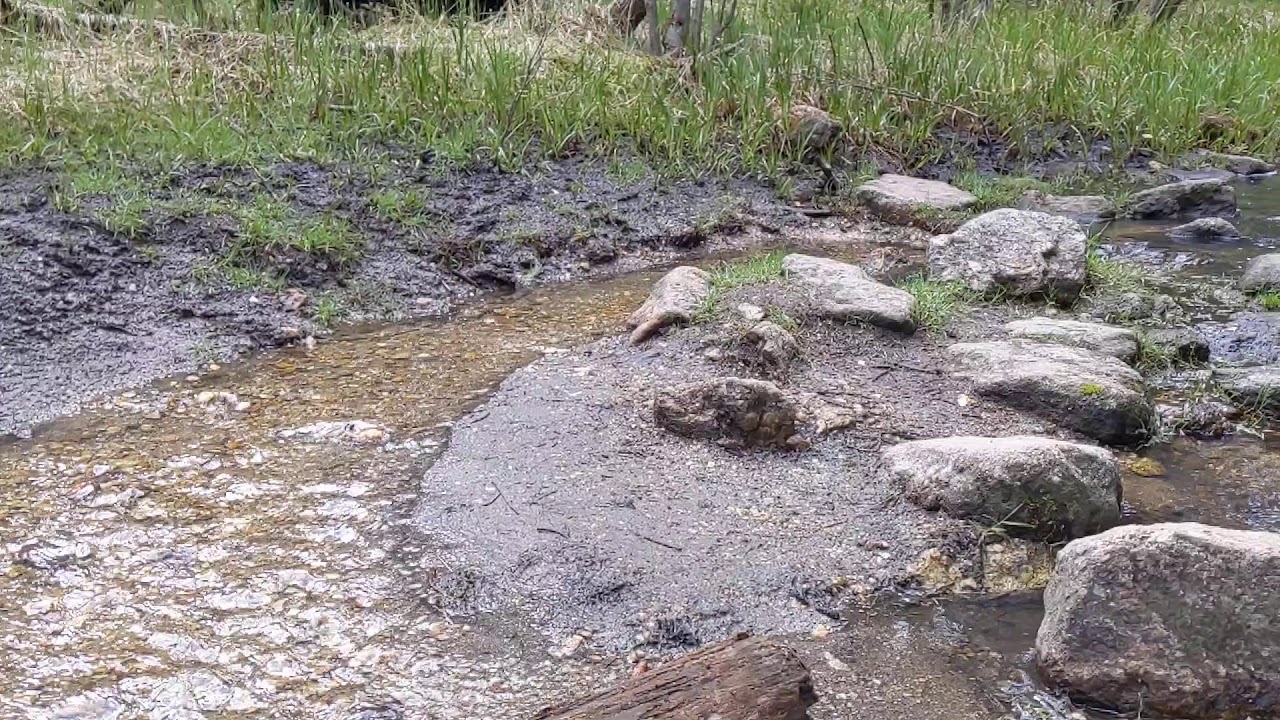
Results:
x,y
658,542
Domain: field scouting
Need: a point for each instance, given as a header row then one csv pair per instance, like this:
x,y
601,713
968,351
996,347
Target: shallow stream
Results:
x,y
233,544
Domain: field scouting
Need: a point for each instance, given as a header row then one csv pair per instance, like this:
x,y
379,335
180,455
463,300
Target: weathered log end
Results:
x,y
743,678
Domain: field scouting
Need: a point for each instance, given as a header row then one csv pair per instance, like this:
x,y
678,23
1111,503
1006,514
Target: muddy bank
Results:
x,y
97,300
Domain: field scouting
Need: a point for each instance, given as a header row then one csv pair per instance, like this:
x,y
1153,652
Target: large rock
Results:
x,y
1253,388
1014,251
1092,394
1212,229
736,412
1084,209
674,299
1118,342
902,199
845,292
1189,198
1261,274
1047,488
1177,620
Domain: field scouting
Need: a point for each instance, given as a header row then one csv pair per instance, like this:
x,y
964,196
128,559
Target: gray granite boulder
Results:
x,y
1172,620
1095,395
1261,274
841,291
674,299
901,199
1189,198
1118,342
1019,252
1045,488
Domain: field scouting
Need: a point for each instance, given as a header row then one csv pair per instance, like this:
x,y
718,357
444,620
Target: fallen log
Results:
x,y
743,678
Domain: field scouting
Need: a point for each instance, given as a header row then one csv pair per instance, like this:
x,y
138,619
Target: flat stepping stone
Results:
x,y
1048,489
1254,388
1261,274
901,199
1120,343
674,299
1019,252
1095,395
1206,230
1084,209
844,292
1189,198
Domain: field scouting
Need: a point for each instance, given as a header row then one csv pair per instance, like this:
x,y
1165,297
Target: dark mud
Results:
x,y
87,310
560,500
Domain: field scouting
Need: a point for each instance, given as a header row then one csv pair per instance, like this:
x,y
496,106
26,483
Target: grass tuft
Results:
x,y
937,302
1270,300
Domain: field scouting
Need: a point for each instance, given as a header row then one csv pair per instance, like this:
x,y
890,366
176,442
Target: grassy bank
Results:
x,y
552,79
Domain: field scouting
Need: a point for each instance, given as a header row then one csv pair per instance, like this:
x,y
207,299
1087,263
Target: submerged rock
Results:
x,y
734,411
1212,229
1254,388
1189,198
1048,488
1261,274
1176,619
1015,251
674,299
1094,395
845,292
901,199
1118,342
1084,209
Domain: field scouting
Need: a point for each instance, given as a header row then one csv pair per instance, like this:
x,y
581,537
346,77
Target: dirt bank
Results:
x,y
104,289
561,499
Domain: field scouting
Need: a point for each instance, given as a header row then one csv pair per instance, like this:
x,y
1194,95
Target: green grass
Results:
x,y
247,88
404,207
1270,300
937,302
753,270
327,311
270,230
1152,356
1092,390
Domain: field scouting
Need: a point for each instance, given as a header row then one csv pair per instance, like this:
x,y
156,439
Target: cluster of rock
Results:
x,y
1175,618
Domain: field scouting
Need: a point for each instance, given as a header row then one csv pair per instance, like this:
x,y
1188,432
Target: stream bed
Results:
x,y
236,544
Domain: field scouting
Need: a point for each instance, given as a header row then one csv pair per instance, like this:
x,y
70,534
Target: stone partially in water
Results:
x,y
1238,164
1249,338
1111,340
1047,488
1177,619
1254,388
674,299
1094,395
1213,229
1084,209
733,411
1261,274
1189,198
902,199
1014,251
844,292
